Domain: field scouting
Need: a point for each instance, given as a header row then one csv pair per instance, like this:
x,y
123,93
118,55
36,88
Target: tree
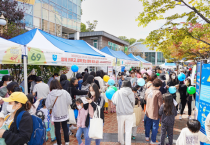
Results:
x,y
91,26
12,12
141,40
124,38
164,36
132,40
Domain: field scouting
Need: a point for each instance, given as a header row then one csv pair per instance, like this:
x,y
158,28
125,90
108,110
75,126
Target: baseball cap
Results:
x,y
16,96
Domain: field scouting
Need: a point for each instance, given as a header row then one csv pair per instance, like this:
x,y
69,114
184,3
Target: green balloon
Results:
x,y
113,87
130,69
157,74
191,90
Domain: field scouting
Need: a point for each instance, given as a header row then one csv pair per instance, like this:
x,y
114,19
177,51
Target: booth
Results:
x,y
143,63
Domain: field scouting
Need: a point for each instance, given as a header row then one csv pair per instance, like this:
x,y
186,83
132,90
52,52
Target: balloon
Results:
x,y
172,90
143,71
74,68
157,74
181,77
113,87
130,69
111,82
109,93
106,78
149,72
191,90
141,82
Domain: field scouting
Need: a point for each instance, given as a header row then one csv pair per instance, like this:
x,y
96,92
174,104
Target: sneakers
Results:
x,y
178,112
67,143
154,143
133,138
52,140
72,127
189,117
180,117
70,133
147,138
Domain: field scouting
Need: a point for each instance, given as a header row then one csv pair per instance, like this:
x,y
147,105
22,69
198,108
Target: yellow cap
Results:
x,y
16,96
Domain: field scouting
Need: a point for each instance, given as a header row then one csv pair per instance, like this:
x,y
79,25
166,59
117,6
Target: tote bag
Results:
x,y
96,125
71,116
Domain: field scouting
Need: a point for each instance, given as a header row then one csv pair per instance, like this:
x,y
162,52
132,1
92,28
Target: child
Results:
x,y
48,120
35,105
134,89
191,135
167,112
2,126
81,128
137,111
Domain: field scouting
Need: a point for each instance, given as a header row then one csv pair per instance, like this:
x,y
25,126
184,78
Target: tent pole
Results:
x,y
25,72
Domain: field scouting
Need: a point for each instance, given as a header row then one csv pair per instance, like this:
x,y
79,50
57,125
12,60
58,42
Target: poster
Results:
x,y
110,70
3,72
204,102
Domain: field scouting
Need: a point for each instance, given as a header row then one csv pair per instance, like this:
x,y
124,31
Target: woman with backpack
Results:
x,y
58,100
18,105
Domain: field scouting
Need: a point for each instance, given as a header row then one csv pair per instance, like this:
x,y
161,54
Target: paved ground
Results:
x,y
110,131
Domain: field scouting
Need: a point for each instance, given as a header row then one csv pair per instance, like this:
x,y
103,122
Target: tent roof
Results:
x,y
117,54
141,59
6,43
133,57
70,46
170,64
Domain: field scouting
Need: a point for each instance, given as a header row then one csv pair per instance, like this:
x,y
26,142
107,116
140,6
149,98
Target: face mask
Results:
x,y
145,78
92,93
173,77
9,82
9,108
187,84
79,107
56,78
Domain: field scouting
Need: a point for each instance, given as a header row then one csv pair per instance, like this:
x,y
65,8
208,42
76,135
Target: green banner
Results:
x,y
3,73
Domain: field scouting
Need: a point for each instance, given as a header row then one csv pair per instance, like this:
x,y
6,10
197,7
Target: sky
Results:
x,y
118,17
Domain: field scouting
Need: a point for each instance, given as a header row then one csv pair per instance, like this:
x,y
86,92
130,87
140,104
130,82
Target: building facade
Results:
x,y
153,56
57,17
101,39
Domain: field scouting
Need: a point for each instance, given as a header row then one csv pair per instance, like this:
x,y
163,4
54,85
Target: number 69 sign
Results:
x,y
36,56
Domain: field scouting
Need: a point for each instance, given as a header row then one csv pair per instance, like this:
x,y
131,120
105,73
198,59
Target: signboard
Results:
x,y
204,102
12,55
110,70
38,57
3,73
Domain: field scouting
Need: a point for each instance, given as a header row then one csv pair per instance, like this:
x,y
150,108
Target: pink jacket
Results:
x,y
81,118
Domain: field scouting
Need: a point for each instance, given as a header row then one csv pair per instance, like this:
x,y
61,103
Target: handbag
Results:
x,y
96,125
71,116
134,120
53,105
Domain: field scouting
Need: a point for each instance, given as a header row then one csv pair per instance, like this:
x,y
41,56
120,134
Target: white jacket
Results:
x,y
186,137
101,83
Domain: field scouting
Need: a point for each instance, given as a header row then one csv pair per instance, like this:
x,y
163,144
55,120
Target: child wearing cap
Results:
x,y
2,126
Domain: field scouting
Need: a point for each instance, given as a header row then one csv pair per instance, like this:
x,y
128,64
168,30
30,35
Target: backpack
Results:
x,y
39,134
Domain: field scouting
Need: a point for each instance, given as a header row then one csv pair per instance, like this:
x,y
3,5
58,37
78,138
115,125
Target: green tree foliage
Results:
x,y
90,26
172,33
124,38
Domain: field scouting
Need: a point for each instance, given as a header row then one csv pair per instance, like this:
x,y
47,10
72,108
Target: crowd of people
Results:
x,y
52,102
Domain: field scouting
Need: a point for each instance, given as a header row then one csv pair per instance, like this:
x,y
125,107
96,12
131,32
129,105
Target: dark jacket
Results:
x,y
73,92
183,91
167,119
100,102
23,135
171,83
97,83
65,84
163,88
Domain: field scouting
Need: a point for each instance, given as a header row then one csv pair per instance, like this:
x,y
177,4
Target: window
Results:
x,y
69,23
58,30
52,7
37,9
45,25
28,8
47,1
160,58
45,14
55,1
78,10
74,8
37,23
52,17
52,28
69,5
64,22
114,46
95,43
58,19
28,20
45,5
150,56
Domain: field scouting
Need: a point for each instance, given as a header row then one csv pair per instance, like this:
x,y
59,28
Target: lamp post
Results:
x,y
3,22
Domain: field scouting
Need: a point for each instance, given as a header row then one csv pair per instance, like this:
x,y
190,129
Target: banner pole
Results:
x,y
25,72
